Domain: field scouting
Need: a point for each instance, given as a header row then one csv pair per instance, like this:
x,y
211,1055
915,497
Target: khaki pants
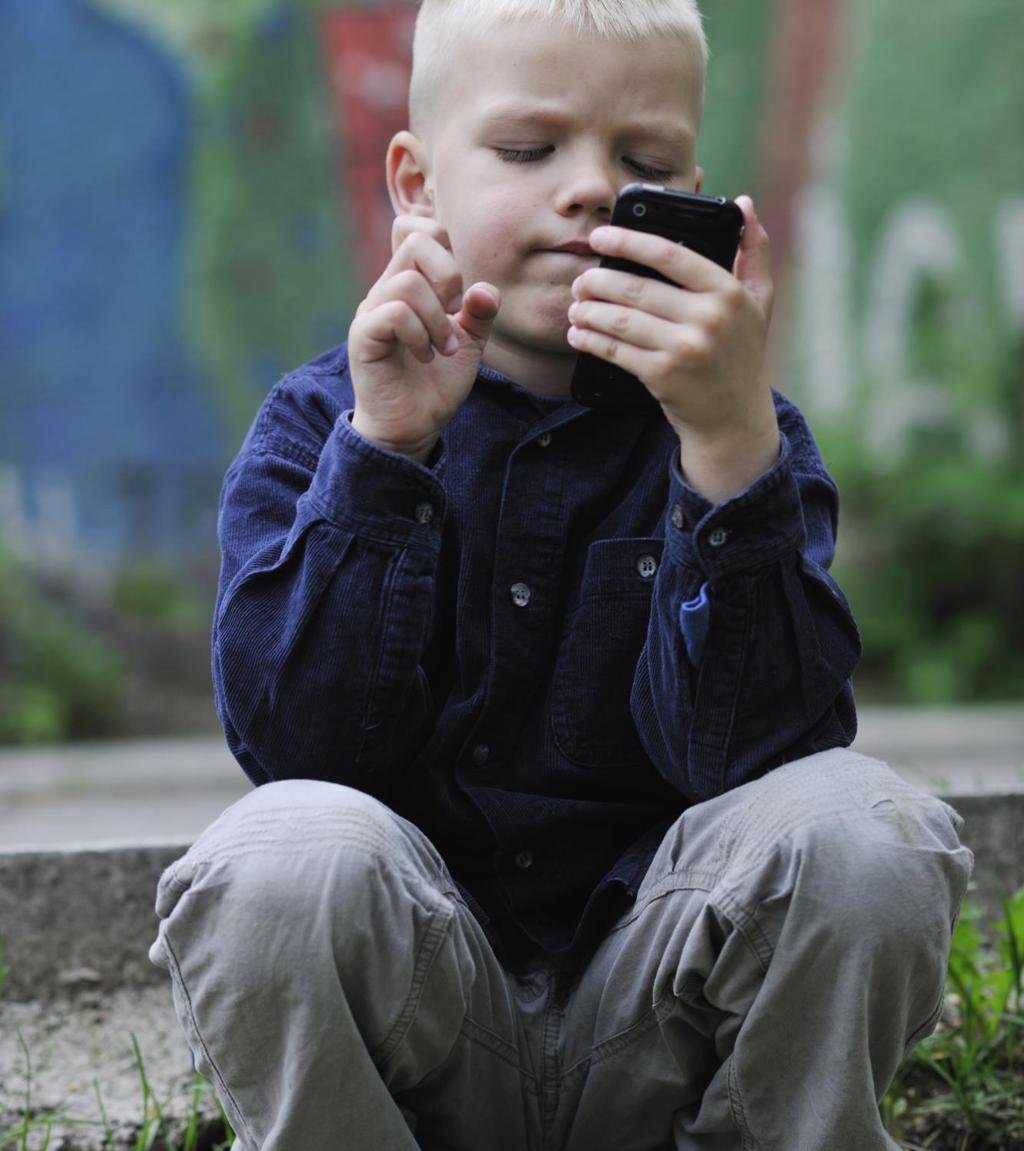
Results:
x,y
787,947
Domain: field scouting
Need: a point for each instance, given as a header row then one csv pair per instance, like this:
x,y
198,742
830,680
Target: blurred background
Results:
x,y
192,202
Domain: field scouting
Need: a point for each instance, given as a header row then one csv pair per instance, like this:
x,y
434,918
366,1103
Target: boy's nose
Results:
x,y
588,190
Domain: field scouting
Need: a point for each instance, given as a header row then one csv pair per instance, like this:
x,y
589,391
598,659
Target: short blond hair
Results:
x,y
440,22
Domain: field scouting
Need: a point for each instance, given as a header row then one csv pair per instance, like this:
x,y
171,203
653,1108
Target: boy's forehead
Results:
x,y
529,73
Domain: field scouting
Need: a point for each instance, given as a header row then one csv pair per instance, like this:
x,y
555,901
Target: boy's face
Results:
x,y
534,133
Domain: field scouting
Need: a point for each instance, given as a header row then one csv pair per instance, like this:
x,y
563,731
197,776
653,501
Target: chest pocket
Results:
x,y
604,635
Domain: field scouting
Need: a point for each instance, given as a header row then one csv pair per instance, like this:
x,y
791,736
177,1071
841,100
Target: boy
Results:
x,y
559,845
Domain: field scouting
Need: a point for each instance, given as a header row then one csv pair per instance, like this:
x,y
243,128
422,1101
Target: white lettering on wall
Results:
x,y
919,243
823,244
1009,241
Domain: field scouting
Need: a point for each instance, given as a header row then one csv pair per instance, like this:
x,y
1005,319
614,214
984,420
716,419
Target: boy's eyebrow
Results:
x,y
517,116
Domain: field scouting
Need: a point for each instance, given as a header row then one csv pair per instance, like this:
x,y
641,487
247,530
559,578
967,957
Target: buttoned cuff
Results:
x,y
751,529
380,494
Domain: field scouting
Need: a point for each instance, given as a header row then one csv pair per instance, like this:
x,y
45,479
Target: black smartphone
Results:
x,y
710,225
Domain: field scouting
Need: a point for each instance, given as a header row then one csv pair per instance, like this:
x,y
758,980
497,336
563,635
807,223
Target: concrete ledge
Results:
x,y
80,917
992,830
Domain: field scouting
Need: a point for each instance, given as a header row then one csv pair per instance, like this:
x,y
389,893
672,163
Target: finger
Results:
x,y
422,253
754,260
478,311
640,329
682,266
641,362
390,324
406,225
410,287
668,301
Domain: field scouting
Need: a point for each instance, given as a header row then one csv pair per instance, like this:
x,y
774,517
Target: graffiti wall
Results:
x,y
192,200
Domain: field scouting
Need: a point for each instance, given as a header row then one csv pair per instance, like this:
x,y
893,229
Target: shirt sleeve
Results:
x,y
329,548
752,644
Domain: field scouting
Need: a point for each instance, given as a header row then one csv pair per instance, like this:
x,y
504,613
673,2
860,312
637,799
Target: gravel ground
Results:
x,y
85,1038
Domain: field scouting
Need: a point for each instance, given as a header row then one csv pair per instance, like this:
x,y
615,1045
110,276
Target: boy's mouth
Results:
x,y
574,248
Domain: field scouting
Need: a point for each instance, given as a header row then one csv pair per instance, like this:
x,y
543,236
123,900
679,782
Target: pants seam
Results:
x,y
484,1037
685,880
237,1118
615,1045
432,940
737,1110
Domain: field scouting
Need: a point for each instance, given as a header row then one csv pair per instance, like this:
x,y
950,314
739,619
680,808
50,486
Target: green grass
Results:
x,y
962,1089
36,1128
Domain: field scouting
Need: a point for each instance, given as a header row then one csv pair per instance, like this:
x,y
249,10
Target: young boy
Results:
x,y
557,842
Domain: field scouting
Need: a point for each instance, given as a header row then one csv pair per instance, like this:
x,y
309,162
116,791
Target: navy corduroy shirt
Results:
x,y
540,647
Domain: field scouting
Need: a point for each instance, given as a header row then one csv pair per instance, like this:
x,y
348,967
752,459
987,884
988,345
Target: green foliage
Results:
x,y
152,594
932,539
129,657
965,1080
59,677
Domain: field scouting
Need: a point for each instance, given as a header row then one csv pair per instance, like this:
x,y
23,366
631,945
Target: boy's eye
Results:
x,y
523,155
648,171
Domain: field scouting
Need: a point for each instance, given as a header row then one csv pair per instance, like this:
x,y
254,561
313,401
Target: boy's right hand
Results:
x,y
416,342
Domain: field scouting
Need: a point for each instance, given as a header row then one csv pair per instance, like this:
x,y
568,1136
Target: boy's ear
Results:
x,y
700,179
408,176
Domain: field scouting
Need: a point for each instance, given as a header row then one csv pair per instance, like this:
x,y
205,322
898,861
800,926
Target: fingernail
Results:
x,y
599,234
451,345
573,312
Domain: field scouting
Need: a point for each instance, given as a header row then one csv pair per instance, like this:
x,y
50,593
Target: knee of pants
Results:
x,y
880,870
296,860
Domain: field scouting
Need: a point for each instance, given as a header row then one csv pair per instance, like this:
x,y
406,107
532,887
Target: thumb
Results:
x,y
754,260
479,307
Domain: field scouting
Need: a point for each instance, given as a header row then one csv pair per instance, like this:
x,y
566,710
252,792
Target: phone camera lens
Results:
x,y
639,210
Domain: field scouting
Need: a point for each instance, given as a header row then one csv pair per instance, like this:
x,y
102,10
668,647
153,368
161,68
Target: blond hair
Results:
x,y
440,22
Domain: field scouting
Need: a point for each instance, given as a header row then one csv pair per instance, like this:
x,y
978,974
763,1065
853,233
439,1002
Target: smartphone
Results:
x,y
710,225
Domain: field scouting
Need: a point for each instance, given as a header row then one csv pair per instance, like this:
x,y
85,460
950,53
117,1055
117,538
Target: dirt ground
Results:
x,y
55,1057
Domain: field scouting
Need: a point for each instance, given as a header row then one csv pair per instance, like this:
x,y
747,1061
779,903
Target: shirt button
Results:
x,y
521,594
524,860
481,754
717,537
544,439
424,513
647,566
676,516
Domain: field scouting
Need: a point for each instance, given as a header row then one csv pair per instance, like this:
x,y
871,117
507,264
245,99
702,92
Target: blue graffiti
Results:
x,y
98,391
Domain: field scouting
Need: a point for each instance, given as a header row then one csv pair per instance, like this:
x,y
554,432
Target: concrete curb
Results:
x,y
81,916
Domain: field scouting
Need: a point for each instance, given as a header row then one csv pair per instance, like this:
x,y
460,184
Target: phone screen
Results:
x,y
709,225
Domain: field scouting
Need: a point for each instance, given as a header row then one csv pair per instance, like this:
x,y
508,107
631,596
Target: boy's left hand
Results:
x,y
697,343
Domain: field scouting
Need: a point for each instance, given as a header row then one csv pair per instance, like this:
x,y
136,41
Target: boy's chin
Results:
x,y
533,342
550,339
